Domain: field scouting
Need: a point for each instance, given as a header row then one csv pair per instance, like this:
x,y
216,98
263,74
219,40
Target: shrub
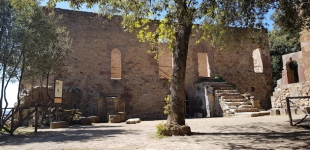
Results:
x,y
160,128
167,106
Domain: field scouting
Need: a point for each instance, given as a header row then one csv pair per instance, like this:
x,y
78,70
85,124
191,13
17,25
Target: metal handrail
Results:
x,y
288,101
14,127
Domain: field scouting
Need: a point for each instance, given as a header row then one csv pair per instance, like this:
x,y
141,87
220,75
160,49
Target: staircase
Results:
x,y
233,103
226,100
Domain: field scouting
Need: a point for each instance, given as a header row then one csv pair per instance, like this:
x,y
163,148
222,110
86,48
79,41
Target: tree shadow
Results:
x,y
81,133
257,136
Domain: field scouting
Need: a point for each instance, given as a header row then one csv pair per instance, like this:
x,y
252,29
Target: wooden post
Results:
x,y
56,113
12,122
289,110
20,116
36,119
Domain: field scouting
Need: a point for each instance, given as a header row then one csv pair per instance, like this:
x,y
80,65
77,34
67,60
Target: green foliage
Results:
x,y
3,130
167,106
45,122
219,78
46,45
281,42
292,16
31,44
160,128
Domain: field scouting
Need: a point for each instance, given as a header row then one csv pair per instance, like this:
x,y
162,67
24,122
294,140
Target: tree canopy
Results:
x,y
31,45
281,42
292,15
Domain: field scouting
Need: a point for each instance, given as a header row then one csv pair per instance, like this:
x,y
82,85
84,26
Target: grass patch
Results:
x,y
160,128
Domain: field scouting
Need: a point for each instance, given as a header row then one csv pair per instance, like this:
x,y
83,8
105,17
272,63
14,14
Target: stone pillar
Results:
x,y
209,101
211,105
114,118
305,48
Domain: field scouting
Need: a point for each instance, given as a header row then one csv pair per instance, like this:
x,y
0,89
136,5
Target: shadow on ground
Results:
x,y
257,136
79,133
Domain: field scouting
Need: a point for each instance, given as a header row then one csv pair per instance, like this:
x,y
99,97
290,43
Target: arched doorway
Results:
x,y
292,71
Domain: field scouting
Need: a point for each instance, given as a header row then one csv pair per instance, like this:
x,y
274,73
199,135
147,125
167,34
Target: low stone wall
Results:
x,y
278,100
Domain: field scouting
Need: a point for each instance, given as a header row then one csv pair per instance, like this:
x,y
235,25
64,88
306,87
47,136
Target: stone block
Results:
x,y
94,119
246,110
247,114
276,94
133,121
264,113
245,106
307,109
274,112
60,124
122,116
114,118
283,111
255,103
86,120
15,123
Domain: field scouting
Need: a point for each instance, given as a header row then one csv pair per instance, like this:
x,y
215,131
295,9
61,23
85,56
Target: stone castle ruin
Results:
x,y
295,81
114,73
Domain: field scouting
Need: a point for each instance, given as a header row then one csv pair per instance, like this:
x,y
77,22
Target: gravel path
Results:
x,y
267,132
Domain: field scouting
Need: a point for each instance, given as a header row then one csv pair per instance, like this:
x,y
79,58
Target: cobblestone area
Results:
x,y
267,132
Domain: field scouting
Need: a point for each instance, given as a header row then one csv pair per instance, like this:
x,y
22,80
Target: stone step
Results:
x,y
228,94
237,103
226,91
223,94
225,88
264,113
246,110
247,114
232,96
245,106
217,84
234,100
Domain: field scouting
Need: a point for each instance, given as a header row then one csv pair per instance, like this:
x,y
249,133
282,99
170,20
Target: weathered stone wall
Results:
x,y
305,49
287,86
278,100
93,39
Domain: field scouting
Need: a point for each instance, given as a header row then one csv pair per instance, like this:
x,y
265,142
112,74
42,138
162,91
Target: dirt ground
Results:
x,y
266,132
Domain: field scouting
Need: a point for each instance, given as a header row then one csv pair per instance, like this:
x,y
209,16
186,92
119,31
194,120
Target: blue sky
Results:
x,y
65,5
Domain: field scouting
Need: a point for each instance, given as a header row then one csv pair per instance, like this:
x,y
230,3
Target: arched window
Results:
x,y
257,61
116,64
203,65
292,71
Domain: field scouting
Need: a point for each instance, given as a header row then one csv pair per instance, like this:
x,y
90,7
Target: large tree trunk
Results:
x,y
177,88
176,119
